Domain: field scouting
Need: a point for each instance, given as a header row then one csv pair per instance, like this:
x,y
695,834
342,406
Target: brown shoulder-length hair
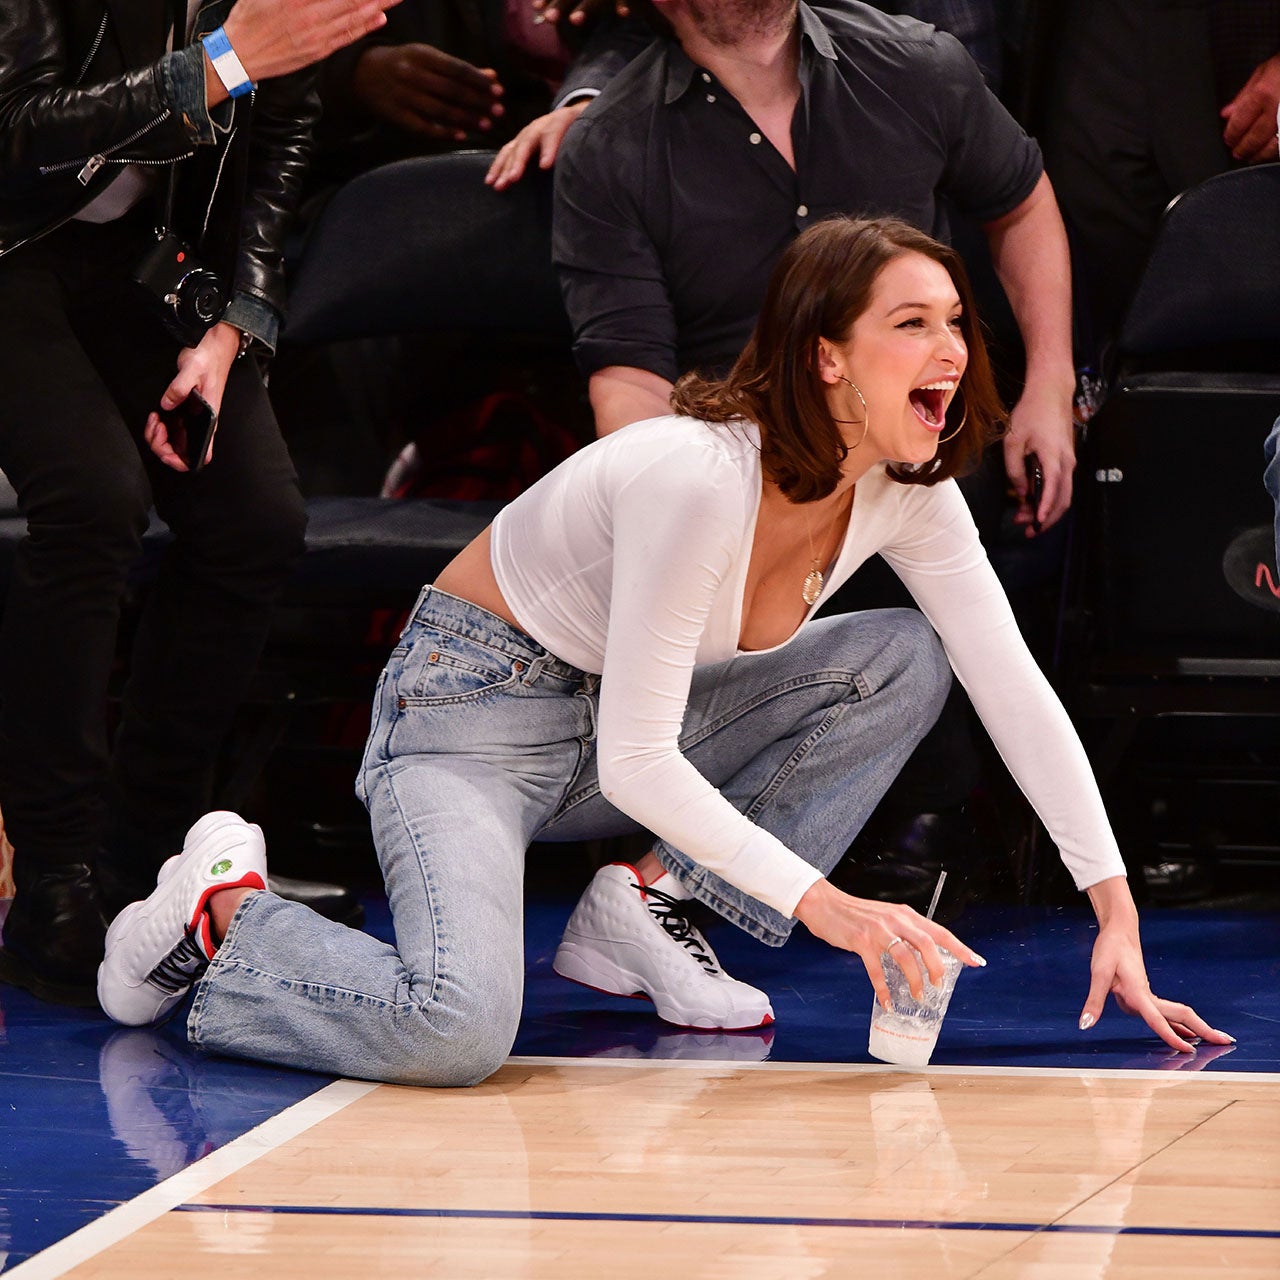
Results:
x,y
821,285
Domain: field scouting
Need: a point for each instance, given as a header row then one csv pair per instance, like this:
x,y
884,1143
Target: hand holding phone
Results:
x,y
190,426
1035,489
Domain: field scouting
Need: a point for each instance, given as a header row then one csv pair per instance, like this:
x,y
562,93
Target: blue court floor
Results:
x,y
92,1115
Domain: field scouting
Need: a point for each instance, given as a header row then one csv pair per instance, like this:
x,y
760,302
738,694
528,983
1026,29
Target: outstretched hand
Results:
x,y
1249,128
276,37
868,928
578,11
426,91
542,136
1117,969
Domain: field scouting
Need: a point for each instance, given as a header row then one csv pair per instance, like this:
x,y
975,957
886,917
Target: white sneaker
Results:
x,y
628,939
158,947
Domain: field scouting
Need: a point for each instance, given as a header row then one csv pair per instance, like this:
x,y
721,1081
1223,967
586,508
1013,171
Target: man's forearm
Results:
x,y
621,395
1030,255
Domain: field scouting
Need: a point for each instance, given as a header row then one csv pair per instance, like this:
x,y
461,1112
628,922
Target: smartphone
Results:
x,y
1035,488
191,426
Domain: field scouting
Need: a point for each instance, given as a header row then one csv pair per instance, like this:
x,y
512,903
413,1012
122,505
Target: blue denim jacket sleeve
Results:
x,y
182,74
252,315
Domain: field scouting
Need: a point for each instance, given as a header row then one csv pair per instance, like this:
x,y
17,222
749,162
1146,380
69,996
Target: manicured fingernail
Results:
x,y
1086,1021
1232,1039
978,960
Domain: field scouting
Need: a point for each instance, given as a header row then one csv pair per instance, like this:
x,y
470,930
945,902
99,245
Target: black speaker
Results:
x,y
1172,477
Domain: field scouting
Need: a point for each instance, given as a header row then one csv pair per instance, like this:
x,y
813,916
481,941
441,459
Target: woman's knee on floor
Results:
x,y
458,1039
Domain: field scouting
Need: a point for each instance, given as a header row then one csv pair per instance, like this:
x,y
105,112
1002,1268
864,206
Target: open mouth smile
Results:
x,y
930,403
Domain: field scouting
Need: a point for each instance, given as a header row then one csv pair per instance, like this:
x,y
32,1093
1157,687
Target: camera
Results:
x,y
188,295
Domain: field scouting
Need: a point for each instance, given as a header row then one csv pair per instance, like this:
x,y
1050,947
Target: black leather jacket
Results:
x,y
86,86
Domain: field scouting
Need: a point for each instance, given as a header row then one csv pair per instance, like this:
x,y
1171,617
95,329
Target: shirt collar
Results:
x,y
681,69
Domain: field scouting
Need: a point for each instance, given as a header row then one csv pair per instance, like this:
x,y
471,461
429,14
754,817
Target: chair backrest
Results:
x,y
1213,278
423,245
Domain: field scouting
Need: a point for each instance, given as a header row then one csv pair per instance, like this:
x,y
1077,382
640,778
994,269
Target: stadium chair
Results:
x,y
423,246
1169,482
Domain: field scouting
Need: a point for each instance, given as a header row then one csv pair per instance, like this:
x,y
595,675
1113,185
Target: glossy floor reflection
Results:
x,y
92,1115
1021,1010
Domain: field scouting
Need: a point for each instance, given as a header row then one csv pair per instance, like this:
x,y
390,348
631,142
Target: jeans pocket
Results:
x,y
443,667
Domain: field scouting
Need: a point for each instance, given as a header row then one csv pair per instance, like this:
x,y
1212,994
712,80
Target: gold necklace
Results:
x,y
814,579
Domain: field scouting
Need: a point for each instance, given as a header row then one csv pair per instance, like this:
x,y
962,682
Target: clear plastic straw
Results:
x,y
937,893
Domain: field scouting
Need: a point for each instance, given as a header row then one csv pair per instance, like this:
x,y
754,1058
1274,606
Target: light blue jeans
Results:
x,y
482,743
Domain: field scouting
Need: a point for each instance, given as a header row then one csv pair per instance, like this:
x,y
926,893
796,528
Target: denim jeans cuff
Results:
x,y
224,957
761,922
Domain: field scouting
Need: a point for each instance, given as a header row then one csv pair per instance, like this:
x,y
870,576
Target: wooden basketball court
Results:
x,y
616,1168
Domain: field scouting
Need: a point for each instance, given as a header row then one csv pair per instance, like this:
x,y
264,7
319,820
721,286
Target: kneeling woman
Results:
x,y
632,642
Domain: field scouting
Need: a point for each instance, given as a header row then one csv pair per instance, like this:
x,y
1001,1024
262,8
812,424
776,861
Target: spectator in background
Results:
x,y
444,74
975,23
1147,98
440,76
97,107
712,151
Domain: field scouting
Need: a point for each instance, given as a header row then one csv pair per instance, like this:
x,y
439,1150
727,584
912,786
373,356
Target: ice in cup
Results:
x,y
907,1036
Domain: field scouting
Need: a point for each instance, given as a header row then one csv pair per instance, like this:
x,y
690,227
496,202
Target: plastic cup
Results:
x,y
907,1036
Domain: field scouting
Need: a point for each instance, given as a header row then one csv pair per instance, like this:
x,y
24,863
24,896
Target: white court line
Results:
x,y
123,1221
884,1068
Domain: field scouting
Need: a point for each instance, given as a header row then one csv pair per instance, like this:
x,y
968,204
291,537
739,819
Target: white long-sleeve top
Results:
x,y
630,560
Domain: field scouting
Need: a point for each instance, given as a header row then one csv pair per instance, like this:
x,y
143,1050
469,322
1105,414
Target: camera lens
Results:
x,y
208,302
200,299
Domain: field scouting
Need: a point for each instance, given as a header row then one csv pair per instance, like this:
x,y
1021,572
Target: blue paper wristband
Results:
x,y
229,69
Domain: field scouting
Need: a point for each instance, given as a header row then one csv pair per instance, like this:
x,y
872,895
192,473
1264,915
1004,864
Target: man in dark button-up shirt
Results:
x,y
681,186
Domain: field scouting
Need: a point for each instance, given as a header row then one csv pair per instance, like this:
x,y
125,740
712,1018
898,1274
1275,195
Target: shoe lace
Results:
x,y
673,915
180,968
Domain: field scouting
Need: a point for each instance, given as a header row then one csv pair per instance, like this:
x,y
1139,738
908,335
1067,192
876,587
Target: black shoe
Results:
x,y
1177,882
53,935
898,858
332,901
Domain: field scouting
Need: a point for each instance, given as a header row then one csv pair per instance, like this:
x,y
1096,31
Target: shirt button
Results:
x,y
754,139
706,77
802,211
711,97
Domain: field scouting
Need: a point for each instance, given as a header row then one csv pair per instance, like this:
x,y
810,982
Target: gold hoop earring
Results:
x,y
850,422
964,417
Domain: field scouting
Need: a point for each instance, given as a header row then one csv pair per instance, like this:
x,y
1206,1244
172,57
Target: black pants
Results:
x,y
82,363
1133,121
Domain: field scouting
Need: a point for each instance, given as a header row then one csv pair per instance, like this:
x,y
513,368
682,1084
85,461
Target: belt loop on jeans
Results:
x,y
534,669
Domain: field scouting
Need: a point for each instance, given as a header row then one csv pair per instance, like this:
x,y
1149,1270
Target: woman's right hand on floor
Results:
x,y
868,927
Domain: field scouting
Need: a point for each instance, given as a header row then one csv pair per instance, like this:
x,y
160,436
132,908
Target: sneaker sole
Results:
x,y
583,964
